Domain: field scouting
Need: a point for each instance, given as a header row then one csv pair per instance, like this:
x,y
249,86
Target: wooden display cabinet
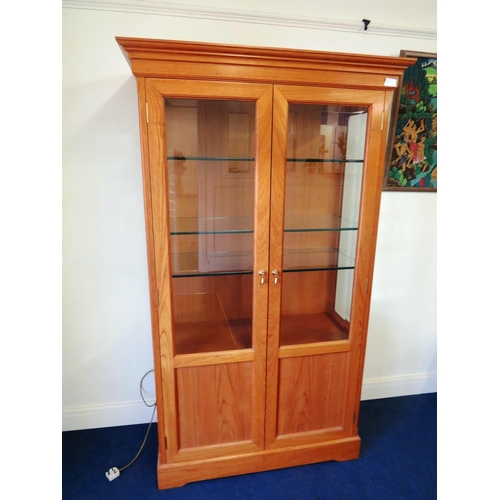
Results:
x,y
262,177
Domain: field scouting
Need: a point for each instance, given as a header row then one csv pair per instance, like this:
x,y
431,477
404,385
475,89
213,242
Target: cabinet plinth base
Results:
x,y
181,473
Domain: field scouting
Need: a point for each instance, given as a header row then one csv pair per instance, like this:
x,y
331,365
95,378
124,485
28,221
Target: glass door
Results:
x,y
210,177
211,184
321,214
323,184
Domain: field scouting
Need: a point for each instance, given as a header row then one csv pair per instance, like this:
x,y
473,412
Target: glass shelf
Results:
x,y
198,274
186,265
295,160
208,158
311,223
181,226
315,259
325,268
323,160
210,225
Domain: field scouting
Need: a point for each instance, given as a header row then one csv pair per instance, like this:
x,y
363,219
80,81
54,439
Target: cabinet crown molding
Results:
x,y
154,58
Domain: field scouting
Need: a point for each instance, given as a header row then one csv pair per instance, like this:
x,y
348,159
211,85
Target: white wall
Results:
x,y
107,344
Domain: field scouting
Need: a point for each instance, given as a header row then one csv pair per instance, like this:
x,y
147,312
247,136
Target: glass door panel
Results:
x,y
324,166
211,166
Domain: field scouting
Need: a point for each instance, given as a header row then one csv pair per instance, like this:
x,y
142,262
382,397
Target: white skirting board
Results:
x,y
106,415
402,385
136,412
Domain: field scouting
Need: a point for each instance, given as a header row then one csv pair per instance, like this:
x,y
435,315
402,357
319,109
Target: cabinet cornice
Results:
x,y
151,58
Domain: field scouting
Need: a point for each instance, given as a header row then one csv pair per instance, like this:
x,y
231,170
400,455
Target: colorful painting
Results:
x,y
412,154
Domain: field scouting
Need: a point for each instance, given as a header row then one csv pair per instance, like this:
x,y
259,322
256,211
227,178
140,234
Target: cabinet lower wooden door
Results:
x,y
327,147
209,157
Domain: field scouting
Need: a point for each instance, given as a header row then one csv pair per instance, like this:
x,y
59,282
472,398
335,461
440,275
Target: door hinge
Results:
x,y
366,288
147,112
157,298
166,443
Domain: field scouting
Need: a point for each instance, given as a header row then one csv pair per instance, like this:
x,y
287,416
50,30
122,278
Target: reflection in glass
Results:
x,y
325,154
210,164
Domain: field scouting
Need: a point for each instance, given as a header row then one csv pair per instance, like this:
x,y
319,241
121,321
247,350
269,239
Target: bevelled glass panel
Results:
x,y
325,155
211,167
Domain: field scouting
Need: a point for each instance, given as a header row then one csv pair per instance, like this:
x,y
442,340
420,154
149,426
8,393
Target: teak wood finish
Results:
x,y
277,390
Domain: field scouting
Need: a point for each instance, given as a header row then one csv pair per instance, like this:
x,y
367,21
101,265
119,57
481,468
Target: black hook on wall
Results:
x,y
367,22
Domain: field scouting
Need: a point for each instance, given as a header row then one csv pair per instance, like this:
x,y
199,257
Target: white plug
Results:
x,y
112,473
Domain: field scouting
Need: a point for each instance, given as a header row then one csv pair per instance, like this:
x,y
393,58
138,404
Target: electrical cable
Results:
x,y
143,443
150,423
114,471
142,379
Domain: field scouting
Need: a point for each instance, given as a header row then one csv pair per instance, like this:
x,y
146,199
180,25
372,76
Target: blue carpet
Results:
x,y
398,462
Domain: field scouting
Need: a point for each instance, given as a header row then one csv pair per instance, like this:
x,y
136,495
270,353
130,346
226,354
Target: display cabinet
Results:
x,y
262,177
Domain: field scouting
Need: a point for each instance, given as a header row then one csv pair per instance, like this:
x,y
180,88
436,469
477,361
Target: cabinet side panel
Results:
x,y
148,212
371,205
163,255
312,392
215,406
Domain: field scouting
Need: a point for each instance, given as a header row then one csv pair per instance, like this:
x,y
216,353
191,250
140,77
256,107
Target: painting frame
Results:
x,y
411,156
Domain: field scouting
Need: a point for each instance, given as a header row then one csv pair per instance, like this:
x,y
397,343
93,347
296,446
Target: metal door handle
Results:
x,y
275,274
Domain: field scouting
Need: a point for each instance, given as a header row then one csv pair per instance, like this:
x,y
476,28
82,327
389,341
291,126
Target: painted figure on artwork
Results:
x,y
414,154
